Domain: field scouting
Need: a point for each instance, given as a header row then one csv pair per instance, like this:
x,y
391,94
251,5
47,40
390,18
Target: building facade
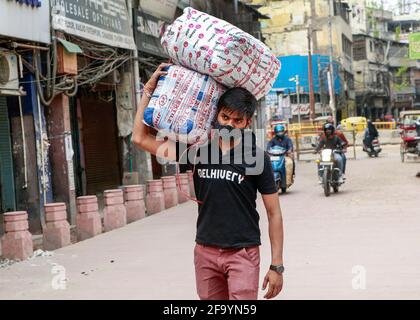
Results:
x,y
371,44
405,71
327,25
283,98
385,77
25,171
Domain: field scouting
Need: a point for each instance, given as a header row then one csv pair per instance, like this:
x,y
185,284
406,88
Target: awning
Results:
x,y
70,46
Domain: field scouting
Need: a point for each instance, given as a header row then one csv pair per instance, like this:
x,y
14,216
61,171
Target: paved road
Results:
x,y
370,228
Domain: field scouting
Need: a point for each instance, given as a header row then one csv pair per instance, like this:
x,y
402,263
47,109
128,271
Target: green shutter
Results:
x,y
7,183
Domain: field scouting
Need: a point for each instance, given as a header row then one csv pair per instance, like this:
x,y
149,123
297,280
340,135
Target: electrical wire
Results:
x,y
100,62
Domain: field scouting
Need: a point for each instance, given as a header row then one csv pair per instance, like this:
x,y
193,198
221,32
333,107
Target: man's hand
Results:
x,y
275,284
150,86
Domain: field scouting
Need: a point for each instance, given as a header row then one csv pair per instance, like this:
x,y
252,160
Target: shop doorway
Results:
x,y
101,151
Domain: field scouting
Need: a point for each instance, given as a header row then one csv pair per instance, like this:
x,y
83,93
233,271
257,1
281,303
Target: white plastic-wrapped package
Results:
x,y
215,47
184,103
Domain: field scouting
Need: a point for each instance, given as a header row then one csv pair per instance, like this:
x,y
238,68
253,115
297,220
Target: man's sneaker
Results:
x,y
340,180
343,177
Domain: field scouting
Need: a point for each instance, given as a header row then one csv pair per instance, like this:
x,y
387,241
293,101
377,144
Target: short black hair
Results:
x,y
238,99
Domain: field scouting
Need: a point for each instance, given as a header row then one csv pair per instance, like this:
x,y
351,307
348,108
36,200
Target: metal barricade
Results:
x,y
303,128
305,151
385,125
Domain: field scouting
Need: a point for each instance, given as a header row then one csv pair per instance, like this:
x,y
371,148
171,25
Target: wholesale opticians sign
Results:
x,y
103,21
414,45
34,13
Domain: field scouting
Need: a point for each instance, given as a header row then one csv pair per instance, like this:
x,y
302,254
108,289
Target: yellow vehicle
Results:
x,y
354,123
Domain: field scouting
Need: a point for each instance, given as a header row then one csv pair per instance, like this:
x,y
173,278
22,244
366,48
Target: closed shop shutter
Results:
x,y
7,184
100,144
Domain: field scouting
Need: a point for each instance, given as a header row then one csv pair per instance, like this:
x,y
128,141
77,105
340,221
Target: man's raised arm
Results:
x,y
163,148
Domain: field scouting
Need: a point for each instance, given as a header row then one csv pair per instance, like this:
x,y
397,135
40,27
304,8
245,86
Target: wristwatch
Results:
x,y
279,269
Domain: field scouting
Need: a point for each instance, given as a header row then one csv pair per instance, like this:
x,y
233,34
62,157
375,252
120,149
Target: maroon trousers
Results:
x,y
227,274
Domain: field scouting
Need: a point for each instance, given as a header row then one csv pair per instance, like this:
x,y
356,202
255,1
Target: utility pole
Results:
x,y
331,71
310,75
298,97
331,92
296,80
142,157
321,73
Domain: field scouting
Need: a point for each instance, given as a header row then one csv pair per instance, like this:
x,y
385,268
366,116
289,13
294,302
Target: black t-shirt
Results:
x,y
227,189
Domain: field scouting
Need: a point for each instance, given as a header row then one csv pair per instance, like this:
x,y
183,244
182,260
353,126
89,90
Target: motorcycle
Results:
x,y
278,163
328,171
374,150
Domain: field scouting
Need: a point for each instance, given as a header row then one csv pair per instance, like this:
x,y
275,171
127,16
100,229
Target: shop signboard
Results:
x,y
103,21
26,20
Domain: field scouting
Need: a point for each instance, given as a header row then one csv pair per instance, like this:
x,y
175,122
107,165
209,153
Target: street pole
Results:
x,y
143,157
331,92
331,71
298,97
311,81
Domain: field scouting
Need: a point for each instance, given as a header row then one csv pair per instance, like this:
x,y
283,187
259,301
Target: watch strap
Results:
x,y
278,269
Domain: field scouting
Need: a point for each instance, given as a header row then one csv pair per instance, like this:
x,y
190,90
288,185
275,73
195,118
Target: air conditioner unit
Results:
x,y
9,78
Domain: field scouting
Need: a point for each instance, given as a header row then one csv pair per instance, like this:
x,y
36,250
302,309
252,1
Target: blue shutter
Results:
x,y
7,183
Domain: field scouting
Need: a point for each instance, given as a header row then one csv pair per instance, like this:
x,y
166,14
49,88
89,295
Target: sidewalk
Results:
x,y
154,253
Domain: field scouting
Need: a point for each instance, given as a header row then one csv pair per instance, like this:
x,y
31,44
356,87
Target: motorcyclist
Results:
x,y
371,133
332,141
282,140
341,135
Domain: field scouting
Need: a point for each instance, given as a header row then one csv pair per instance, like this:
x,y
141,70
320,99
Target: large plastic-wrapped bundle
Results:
x,y
184,103
229,55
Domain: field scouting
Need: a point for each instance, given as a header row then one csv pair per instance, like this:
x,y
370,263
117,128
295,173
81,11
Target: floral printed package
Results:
x,y
215,47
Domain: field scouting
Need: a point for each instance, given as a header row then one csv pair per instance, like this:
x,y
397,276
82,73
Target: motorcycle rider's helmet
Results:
x,y
328,129
279,131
